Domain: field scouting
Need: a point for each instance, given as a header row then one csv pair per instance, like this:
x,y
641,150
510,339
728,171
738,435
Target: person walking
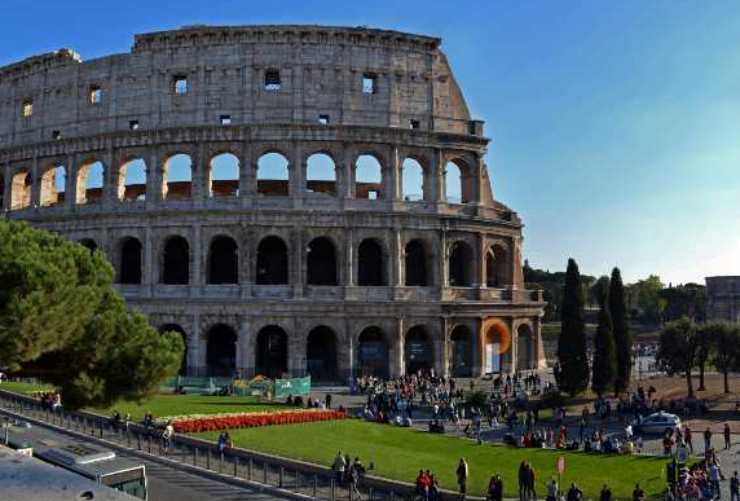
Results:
x,y
687,438
728,436
707,439
638,494
338,467
714,477
169,430
574,493
523,466
462,477
531,479
552,490
606,493
496,488
734,488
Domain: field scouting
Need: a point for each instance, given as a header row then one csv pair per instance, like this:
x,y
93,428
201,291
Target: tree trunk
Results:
x,y
701,378
689,384
727,385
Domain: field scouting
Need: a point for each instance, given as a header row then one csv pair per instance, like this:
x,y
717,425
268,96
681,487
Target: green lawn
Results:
x,y
25,388
399,453
178,405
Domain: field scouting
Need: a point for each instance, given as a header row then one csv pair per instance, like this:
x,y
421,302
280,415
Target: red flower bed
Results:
x,y
216,422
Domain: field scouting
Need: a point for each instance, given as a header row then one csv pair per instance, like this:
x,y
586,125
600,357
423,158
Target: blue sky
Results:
x,y
615,125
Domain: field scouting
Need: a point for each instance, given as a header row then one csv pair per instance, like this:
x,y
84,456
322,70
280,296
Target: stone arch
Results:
x,y
88,243
176,328
418,350
223,175
177,177
371,268
223,261
272,351
273,174
416,265
368,177
459,180
132,176
20,189
525,349
461,347
321,262
460,264
53,185
321,173
175,261
496,266
373,353
130,253
496,346
272,261
321,353
412,180
221,342
90,182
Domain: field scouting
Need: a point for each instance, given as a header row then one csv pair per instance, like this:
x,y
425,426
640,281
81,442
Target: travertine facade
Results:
x,y
301,273
723,298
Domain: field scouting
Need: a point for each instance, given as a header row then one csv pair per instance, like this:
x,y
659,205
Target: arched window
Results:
x,y
53,186
176,261
321,262
461,261
525,359
412,180
418,351
368,178
179,330
372,353
20,190
223,261
370,268
272,351
130,264
177,177
272,174
453,184
221,350
496,267
272,262
223,176
462,352
416,264
321,175
90,181
321,354
132,181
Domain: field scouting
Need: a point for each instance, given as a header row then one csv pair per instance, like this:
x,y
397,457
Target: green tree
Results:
x,y
604,368
725,339
648,300
677,350
572,373
622,335
62,321
704,344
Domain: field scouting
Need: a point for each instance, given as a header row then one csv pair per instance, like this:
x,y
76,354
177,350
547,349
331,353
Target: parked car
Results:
x,y
657,423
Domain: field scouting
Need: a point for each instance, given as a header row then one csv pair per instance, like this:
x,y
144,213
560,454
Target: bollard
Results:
x,y
370,494
281,472
331,490
195,456
264,472
349,490
100,423
149,443
208,459
315,486
249,469
236,466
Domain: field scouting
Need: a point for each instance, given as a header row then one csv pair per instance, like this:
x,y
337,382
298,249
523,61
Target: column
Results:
x,y
347,174
70,184
148,262
349,258
392,181
35,183
297,172
297,352
247,176
196,275
397,258
197,349
297,272
479,278
199,189
395,349
475,348
442,352
153,180
245,349
7,183
434,180
443,264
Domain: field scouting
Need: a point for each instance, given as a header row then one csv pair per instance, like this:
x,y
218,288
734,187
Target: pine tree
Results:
x,y
605,358
572,373
621,330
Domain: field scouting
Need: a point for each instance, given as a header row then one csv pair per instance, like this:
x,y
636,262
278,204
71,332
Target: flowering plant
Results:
x,y
195,423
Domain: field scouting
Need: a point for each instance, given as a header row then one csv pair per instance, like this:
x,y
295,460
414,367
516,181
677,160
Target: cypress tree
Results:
x,y
605,358
622,335
572,373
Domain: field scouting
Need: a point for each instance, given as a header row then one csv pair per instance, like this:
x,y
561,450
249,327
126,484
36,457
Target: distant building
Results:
x,y
723,298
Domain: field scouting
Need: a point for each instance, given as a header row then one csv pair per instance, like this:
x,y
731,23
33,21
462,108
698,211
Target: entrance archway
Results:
x,y
223,261
176,261
181,331
321,262
321,354
461,356
130,269
370,269
496,349
372,353
272,262
221,350
272,351
524,348
461,261
418,350
416,264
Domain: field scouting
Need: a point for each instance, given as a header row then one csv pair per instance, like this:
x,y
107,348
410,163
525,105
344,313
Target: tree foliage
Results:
x,y
725,352
677,350
621,331
604,368
62,321
572,373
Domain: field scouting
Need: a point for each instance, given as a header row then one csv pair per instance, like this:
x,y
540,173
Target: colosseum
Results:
x,y
723,298
291,199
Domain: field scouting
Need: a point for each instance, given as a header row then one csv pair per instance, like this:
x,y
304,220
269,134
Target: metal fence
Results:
x,y
302,478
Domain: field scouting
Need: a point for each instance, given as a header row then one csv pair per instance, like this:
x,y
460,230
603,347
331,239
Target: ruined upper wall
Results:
x,y
321,73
